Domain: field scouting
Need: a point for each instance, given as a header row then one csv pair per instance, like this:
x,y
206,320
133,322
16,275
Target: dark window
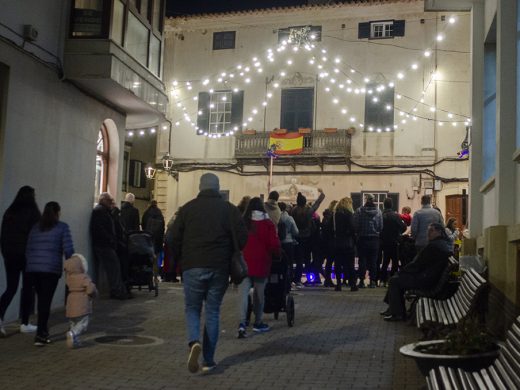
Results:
x,y
90,19
358,199
136,175
297,108
220,112
379,108
224,40
381,29
314,33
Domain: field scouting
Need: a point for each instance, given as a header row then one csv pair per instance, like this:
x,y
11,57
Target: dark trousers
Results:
x,y
302,256
288,249
45,284
397,286
107,257
368,248
344,264
13,269
390,253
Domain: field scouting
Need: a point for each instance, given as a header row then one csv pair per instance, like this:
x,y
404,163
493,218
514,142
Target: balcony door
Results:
x,y
297,108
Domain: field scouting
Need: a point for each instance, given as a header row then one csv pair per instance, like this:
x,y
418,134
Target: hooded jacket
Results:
x,y
273,210
302,215
262,243
81,288
368,221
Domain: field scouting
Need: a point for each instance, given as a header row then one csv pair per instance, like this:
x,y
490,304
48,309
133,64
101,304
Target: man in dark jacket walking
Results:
x,y
203,241
129,213
104,242
393,227
368,223
423,272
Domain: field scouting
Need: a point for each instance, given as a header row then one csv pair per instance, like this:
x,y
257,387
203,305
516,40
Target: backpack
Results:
x,y
282,230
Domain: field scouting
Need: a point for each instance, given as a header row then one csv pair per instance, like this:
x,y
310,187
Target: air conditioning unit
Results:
x,y
30,33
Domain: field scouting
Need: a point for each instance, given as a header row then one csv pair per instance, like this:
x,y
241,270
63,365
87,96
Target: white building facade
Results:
x,y
74,75
380,90
495,148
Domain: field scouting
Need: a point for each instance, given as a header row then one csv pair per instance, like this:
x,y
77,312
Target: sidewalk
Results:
x,y
339,341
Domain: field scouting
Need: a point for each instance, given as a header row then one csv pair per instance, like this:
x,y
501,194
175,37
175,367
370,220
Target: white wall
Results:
x,y
50,144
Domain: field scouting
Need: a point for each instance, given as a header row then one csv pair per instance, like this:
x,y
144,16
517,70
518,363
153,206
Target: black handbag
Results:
x,y
238,267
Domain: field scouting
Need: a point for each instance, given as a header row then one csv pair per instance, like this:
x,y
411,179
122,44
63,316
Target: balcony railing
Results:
x,y
317,143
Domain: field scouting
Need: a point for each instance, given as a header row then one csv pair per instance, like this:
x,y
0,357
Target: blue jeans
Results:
x,y
209,285
368,248
258,285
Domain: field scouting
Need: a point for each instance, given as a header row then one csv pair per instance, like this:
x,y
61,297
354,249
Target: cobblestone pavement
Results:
x,y
339,341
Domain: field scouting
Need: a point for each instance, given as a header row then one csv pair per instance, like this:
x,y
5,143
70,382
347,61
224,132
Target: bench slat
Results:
x,y
510,372
432,381
487,380
445,378
470,380
497,378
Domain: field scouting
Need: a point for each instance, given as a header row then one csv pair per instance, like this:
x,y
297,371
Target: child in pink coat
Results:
x,y
79,300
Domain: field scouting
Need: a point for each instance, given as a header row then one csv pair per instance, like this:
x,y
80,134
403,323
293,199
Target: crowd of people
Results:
x,y
201,237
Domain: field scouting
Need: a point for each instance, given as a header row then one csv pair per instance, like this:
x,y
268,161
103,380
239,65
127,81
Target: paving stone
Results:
x,y
339,341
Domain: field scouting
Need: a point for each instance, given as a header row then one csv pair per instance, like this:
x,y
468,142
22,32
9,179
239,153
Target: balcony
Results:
x,y
105,70
318,146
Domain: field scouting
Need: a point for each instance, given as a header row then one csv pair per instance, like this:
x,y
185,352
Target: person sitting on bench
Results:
x,y
423,272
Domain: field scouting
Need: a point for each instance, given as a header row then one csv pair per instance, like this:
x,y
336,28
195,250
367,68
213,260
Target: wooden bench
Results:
x,y
504,373
468,299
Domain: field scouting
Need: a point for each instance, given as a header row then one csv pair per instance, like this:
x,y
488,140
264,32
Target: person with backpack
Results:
x,y
287,233
302,214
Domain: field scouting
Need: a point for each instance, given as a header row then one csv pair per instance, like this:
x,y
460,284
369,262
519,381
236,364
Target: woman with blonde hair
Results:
x,y
341,242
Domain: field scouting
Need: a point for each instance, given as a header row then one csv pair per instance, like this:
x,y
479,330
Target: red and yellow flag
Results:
x,y
289,143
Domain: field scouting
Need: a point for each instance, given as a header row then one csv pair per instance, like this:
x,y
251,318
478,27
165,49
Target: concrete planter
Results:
x,y
426,361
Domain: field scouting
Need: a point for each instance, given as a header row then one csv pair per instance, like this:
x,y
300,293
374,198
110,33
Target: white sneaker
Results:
x,y
29,328
3,333
70,340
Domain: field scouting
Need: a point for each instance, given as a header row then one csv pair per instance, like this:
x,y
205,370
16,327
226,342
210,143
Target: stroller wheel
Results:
x,y
275,315
290,311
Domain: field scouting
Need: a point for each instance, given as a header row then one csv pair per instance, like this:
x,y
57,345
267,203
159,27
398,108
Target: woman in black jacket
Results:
x,y
17,222
341,243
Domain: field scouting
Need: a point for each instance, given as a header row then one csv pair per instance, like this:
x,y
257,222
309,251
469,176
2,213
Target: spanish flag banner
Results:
x,y
289,143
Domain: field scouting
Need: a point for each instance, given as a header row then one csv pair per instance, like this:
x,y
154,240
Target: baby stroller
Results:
x,y
278,296
141,261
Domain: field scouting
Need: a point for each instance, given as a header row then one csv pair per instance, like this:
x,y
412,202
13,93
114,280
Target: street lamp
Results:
x,y
149,171
167,160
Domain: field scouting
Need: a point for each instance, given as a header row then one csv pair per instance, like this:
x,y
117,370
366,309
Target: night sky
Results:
x,y
187,7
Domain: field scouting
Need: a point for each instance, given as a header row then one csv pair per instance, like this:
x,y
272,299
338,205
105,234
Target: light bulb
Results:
x,y
415,66
400,76
427,53
451,20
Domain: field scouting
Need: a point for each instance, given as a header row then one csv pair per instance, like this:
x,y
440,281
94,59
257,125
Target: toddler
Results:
x,y
79,300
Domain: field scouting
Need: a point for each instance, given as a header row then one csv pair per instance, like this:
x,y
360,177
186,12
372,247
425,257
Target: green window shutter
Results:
x,y
364,30
237,109
399,28
203,119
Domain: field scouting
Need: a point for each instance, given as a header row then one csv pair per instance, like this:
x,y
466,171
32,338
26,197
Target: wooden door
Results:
x,y
456,206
